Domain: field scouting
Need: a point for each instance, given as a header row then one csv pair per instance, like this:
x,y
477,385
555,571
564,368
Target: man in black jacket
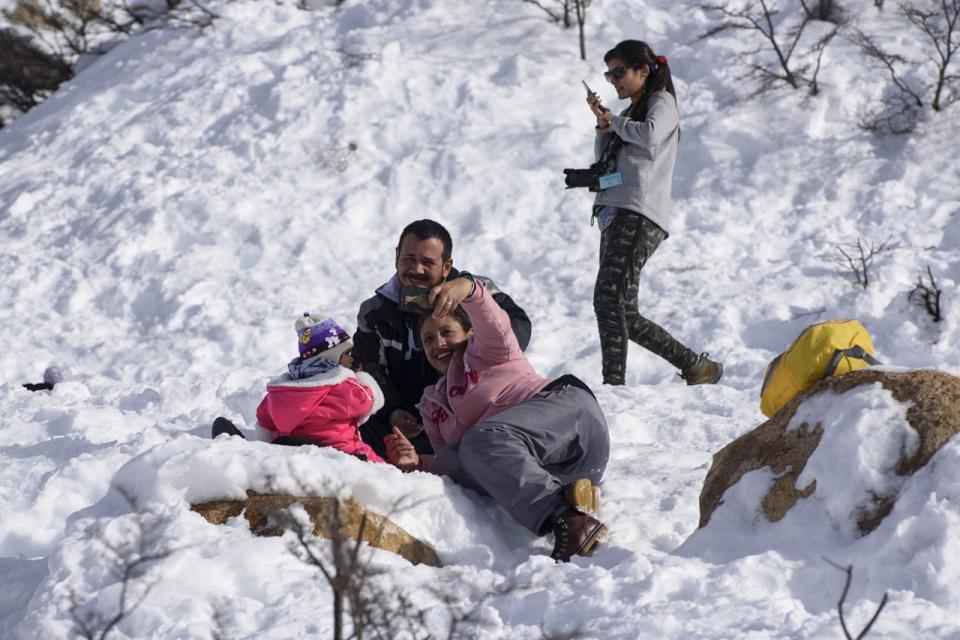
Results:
x,y
384,344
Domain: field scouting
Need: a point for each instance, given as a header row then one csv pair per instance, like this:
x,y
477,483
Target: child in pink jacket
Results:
x,y
320,400
500,428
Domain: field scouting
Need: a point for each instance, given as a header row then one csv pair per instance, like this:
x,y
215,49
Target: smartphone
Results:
x,y
414,299
589,90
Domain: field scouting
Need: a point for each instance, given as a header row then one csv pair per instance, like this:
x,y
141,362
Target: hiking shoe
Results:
x,y
576,534
582,495
221,425
703,371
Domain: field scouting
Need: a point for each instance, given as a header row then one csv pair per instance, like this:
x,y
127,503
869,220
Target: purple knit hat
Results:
x,y
321,336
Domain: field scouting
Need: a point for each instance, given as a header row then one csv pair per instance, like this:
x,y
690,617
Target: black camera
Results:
x,y
589,178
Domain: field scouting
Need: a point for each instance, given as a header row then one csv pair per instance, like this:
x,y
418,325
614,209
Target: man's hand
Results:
x,y
447,296
406,422
400,452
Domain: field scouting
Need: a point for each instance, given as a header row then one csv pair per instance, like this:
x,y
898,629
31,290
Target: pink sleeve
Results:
x,y
263,416
347,400
493,338
359,399
430,427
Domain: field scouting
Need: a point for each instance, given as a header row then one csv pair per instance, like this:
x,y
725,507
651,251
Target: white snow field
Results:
x,y
167,215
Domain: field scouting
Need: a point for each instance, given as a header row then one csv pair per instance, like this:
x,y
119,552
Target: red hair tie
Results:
x,y
661,59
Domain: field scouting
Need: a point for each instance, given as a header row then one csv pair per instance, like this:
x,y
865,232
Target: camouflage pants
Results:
x,y
625,247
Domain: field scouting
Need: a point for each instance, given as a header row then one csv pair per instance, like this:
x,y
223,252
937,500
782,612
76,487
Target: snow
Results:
x,y
169,213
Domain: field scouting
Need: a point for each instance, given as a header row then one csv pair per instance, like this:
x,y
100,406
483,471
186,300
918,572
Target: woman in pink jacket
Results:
x,y
498,427
320,400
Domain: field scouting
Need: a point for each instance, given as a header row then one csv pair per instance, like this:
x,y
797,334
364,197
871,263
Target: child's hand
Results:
x,y
400,452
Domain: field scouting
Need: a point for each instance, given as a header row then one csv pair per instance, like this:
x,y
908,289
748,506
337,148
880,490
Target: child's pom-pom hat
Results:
x,y
321,336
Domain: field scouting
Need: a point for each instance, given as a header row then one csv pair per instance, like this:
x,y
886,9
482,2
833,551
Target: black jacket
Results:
x,y
384,344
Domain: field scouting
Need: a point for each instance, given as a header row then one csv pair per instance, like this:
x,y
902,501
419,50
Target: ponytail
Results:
x,y
636,54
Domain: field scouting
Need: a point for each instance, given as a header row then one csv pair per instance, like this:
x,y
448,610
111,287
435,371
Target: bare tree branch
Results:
x,y
64,30
761,17
558,14
859,257
940,26
819,48
938,23
848,570
129,560
927,295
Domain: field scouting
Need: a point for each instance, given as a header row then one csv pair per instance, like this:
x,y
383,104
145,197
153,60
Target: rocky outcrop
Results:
x,y
934,413
326,514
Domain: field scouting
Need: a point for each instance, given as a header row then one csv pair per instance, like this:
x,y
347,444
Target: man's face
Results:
x,y
420,263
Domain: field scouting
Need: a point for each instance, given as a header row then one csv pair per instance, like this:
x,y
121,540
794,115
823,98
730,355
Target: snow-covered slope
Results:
x,y
166,216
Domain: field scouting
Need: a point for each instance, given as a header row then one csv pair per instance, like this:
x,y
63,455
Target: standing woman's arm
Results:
x,y
601,142
661,121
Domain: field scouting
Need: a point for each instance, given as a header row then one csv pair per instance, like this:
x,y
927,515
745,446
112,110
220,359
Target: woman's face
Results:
x,y
631,81
441,339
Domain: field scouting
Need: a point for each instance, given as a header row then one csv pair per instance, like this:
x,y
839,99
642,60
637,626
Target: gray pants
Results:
x,y
522,456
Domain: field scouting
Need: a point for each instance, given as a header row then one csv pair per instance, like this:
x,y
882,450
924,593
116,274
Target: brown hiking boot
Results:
x,y
703,371
576,534
582,495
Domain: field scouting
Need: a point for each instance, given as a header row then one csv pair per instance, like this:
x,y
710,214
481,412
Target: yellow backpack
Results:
x,y
821,350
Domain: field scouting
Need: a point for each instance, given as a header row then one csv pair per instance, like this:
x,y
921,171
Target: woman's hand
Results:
x,y
447,296
406,422
593,101
605,119
400,452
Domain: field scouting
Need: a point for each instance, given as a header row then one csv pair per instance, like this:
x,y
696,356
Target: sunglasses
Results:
x,y
615,74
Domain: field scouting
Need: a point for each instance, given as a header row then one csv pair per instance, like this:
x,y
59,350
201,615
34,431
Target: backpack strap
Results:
x,y
855,351
770,369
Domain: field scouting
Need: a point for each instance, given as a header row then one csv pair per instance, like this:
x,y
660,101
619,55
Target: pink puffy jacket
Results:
x,y
327,409
490,375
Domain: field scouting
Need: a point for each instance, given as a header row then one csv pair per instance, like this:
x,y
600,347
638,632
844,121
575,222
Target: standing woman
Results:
x,y
641,145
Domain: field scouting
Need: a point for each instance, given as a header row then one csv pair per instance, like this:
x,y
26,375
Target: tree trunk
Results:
x,y
936,94
337,615
581,8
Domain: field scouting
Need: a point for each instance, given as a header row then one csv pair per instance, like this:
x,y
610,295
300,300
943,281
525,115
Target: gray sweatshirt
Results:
x,y
646,161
